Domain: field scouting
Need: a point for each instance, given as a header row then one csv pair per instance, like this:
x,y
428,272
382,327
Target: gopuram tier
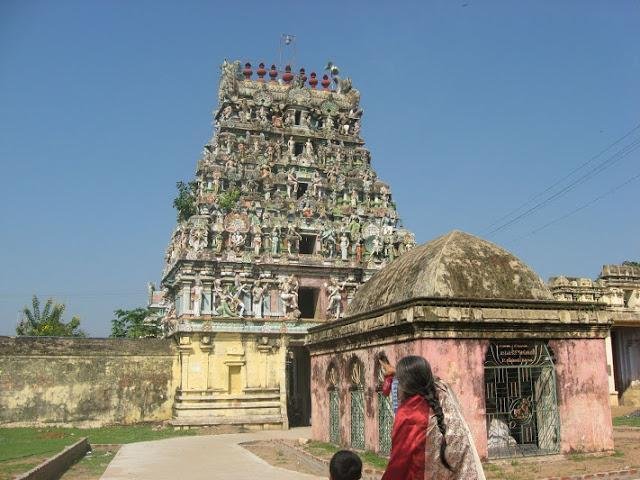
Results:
x,y
285,219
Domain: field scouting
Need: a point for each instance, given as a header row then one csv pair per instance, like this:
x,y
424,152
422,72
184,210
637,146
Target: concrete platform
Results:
x,y
201,457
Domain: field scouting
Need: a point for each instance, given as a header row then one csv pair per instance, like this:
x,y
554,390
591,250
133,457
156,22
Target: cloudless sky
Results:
x,y
471,107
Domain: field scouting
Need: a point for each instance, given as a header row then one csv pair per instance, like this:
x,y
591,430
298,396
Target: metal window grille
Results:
x,y
334,417
520,400
385,424
357,419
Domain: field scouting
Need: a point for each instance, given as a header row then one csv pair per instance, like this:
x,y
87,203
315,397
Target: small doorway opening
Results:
x,y
298,148
307,300
308,244
302,188
298,116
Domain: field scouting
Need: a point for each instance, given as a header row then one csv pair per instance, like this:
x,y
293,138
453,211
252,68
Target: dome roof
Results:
x,y
456,265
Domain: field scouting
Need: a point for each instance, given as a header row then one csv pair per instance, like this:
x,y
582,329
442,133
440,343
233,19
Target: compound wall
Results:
x,y
86,381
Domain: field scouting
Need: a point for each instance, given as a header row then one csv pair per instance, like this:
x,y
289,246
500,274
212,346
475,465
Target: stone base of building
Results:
x,y
248,423
613,399
260,407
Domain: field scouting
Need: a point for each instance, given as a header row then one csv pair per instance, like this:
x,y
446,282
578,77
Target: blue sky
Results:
x,y
471,108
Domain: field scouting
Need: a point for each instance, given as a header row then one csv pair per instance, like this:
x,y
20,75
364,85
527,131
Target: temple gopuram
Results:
x,y
284,220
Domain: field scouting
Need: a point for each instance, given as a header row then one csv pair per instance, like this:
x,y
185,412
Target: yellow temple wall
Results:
x,y
231,378
86,381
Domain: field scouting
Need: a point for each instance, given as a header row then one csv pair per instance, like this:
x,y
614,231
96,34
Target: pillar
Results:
x,y
613,394
186,297
207,286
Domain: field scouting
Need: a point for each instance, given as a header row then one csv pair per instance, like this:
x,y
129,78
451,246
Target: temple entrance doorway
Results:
x,y
520,400
298,386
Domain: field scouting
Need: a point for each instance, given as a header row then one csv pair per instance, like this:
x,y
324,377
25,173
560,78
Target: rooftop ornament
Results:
x,y
273,73
287,76
261,72
313,81
247,72
325,82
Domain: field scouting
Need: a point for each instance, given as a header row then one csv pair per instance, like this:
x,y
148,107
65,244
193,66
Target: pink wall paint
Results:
x,y
583,395
584,410
458,362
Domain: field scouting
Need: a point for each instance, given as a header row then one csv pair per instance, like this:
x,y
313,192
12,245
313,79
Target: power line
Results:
x,y
609,162
578,209
578,168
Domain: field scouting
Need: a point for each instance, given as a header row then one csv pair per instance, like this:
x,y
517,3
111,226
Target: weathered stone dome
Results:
x,y
456,265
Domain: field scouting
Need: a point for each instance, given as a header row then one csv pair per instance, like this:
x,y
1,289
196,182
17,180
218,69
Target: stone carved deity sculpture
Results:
x,y
218,243
328,239
292,183
237,241
256,243
376,248
308,148
196,297
289,296
217,293
237,300
344,246
317,185
358,251
354,228
227,112
226,308
275,241
257,296
293,239
291,147
334,297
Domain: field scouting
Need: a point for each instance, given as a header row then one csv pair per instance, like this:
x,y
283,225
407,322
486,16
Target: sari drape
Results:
x,y
416,439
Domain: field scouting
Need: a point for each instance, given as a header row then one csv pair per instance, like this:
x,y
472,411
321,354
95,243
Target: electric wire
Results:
x,y
578,209
608,163
568,175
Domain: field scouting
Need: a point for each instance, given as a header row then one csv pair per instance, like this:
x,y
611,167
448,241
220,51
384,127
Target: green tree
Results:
x,y
48,321
629,263
137,323
229,199
185,202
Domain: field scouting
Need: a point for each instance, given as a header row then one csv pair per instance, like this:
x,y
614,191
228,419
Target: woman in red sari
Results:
x,y
430,439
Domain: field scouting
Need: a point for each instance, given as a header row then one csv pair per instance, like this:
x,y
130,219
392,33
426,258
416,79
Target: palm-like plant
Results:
x,y
48,321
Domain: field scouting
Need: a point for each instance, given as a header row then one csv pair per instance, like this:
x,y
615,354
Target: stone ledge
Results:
x,y
211,421
55,466
85,347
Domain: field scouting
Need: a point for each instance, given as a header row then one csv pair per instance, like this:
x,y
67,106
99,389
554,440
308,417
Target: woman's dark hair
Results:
x,y
415,378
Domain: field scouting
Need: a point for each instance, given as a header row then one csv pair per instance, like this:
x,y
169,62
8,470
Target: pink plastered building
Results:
x,y
529,371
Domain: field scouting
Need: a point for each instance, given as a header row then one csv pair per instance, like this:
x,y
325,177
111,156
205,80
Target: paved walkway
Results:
x,y
201,457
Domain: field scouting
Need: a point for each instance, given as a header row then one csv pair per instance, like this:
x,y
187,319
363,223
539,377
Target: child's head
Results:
x,y
345,465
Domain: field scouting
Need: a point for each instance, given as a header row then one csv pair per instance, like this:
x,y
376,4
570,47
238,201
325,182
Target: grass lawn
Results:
x,y
626,421
326,450
23,448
